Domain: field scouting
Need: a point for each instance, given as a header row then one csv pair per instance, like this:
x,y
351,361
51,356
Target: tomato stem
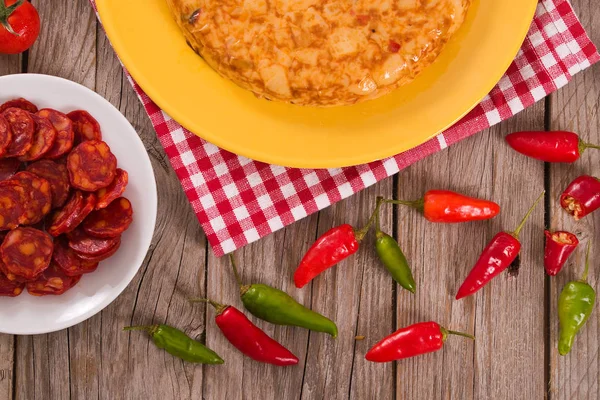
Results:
x,y
526,217
360,234
6,12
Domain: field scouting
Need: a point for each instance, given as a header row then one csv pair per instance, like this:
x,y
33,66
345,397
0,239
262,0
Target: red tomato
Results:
x,y
19,26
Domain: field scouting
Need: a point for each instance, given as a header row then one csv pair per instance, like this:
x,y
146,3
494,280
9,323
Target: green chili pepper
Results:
x,y
393,258
178,344
575,305
277,307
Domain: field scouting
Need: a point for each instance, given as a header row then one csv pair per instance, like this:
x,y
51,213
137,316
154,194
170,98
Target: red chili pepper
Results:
x,y
557,146
332,247
581,197
249,338
451,207
497,256
559,246
414,340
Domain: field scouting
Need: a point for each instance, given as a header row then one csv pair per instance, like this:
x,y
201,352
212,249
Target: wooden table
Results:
x,y
514,319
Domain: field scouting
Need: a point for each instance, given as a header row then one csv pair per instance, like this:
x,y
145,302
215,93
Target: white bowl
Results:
x,y
26,314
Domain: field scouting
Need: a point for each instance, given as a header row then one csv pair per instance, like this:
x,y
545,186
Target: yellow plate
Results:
x,y
154,51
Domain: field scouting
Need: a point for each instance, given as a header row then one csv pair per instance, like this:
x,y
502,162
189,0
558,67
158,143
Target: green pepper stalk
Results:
x,y
575,305
178,344
392,257
277,307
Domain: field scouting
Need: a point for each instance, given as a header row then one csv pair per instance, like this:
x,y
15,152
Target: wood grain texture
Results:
x,y
575,108
9,64
511,358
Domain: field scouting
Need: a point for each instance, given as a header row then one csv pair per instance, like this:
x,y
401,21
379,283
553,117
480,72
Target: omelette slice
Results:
x,y
319,52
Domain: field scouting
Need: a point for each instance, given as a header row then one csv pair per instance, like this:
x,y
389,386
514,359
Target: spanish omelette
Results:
x,y
319,52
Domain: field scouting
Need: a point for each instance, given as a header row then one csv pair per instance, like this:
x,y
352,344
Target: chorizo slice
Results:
x,y
12,209
38,197
8,168
53,281
111,221
21,103
26,253
113,191
83,243
64,132
100,257
43,139
58,177
85,126
5,135
10,288
22,127
70,264
91,166
72,214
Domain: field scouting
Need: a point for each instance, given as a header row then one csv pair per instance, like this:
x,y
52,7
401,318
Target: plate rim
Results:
x,y
154,212
275,159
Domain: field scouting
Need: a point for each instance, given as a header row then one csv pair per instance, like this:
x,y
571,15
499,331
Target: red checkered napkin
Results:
x,y
238,200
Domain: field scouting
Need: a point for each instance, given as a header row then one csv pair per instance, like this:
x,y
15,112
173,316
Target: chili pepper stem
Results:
x,y
583,146
243,288
516,232
418,204
360,234
446,332
587,262
148,328
218,306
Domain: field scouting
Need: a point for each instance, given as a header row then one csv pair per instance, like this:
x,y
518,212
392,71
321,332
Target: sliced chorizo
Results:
x,y
12,209
113,191
91,166
85,126
5,135
26,253
58,177
22,127
43,139
83,243
21,103
53,281
111,221
38,197
64,132
66,259
100,257
10,288
8,168
72,214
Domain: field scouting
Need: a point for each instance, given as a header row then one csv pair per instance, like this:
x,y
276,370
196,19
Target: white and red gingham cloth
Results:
x,y
238,200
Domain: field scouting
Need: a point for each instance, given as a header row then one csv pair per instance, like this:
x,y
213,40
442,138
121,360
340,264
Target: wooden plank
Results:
x,y
357,285
45,359
509,360
8,65
442,255
575,108
271,261
173,271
